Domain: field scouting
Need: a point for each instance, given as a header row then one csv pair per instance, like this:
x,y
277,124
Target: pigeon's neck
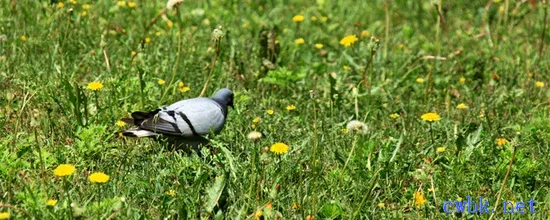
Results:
x,y
223,105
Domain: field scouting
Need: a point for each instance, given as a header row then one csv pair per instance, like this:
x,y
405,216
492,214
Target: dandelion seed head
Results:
x,y
254,135
172,3
357,127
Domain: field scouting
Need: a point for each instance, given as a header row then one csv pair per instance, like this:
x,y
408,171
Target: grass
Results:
x,y
410,58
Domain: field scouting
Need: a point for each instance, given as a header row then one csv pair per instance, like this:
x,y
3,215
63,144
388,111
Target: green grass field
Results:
x,y
300,71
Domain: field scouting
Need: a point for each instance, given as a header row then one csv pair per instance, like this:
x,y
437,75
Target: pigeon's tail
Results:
x,y
138,132
139,117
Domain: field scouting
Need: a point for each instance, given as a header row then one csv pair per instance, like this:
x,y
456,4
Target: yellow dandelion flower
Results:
x,y
510,204
73,1
98,177
60,5
496,1
64,170
295,206
431,117
501,9
256,120
345,130
365,33
279,148
299,41
134,53
345,67
86,6
313,18
298,18
381,205
253,126
318,46
23,38
181,84
121,3
419,80
51,202
147,40
461,106
459,199
324,19
441,149
158,34
501,141
132,4
83,14
310,217
347,41
270,112
290,107
539,84
120,123
394,115
184,89
170,24
258,214
161,82
95,86
419,199
4,215
171,193
462,80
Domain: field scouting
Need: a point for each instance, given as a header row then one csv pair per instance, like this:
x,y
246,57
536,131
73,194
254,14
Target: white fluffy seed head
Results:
x,y
254,135
357,127
171,3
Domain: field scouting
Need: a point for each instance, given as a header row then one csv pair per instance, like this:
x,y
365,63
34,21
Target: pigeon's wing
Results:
x,y
192,117
202,115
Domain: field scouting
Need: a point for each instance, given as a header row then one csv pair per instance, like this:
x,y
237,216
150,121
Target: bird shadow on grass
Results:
x,y
186,145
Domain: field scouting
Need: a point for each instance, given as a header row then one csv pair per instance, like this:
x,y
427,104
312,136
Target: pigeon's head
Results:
x,y
224,96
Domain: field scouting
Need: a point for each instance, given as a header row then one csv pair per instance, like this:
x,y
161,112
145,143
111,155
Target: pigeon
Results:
x,y
188,120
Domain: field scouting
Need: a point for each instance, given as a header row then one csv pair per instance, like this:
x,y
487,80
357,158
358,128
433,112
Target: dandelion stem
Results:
x,y
504,181
252,173
96,105
433,190
66,187
543,33
432,134
212,69
99,202
174,70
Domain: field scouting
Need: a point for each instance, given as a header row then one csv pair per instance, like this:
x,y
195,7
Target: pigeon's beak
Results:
x,y
231,104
